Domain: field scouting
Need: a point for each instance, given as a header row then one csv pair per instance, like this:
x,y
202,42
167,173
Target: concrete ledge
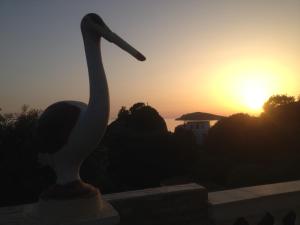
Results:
x,y
184,188
169,205
254,202
191,204
172,205
68,215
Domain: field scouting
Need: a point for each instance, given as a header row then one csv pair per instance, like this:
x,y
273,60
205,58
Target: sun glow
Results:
x,y
254,93
245,85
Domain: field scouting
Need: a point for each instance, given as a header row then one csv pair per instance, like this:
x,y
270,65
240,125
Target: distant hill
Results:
x,y
200,116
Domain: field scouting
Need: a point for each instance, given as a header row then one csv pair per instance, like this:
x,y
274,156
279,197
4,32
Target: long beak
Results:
x,y
114,38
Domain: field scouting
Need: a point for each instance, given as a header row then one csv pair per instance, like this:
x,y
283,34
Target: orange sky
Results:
x,y
213,56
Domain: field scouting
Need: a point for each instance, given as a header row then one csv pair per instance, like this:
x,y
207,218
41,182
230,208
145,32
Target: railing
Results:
x,y
264,205
191,204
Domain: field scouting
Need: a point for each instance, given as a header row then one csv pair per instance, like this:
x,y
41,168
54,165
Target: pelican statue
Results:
x,y
70,130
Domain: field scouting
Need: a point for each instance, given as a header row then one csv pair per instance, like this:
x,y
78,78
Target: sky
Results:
x,y
214,56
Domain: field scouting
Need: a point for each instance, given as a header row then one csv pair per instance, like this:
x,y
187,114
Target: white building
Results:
x,y
198,127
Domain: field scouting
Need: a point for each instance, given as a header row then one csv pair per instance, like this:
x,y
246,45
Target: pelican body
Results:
x,y
70,130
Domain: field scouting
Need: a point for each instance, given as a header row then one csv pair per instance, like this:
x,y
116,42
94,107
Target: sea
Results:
x,y
172,123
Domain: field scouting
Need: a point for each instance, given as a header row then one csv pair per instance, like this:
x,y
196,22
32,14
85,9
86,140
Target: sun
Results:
x,y
245,84
254,93
254,97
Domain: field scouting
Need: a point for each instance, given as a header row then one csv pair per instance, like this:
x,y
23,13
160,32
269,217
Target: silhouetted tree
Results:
x,y
147,119
241,221
123,113
254,150
22,177
142,152
136,106
268,219
289,218
277,100
139,152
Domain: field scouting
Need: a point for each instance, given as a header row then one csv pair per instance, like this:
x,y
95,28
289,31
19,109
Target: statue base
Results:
x,y
60,206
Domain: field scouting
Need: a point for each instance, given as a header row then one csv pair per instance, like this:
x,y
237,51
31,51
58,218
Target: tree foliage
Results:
x,y
142,153
139,152
123,113
277,100
136,106
23,178
246,146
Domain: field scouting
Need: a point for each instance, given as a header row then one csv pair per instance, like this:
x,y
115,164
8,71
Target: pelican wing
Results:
x,y
55,126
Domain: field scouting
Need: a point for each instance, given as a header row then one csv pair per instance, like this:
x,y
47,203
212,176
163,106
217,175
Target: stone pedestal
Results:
x,y
80,210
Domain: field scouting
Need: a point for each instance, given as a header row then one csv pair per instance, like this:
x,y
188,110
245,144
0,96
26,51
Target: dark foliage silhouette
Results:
x,y
138,152
257,150
289,219
241,221
277,100
268,219
22,177
136,106
142,152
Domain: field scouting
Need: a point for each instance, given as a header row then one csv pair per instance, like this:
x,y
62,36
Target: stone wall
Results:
x,y
169,205
190,204
252,203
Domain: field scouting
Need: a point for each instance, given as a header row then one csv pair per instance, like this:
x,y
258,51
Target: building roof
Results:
x,y
200,116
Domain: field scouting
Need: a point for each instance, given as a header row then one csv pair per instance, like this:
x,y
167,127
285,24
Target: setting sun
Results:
x,y
254,95
246,84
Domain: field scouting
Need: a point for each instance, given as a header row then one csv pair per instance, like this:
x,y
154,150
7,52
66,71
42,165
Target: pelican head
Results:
x,y
95,26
